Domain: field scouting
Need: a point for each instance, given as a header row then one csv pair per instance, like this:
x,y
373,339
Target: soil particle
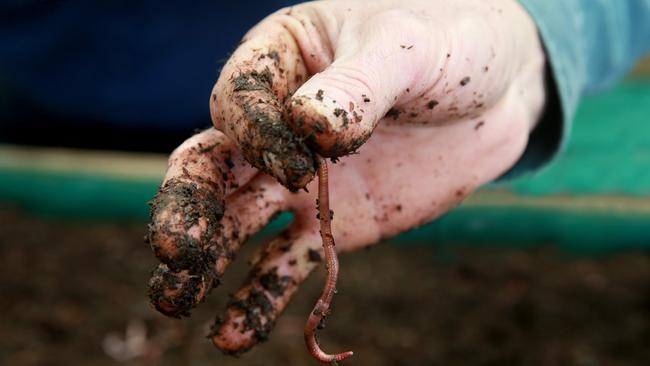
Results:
x,y
319,127
340,112
274,55
393,113
432,104
257,308
254,80
479,125
465,81
319,95
313,255
365,98
357,117
206,149
228,161
273,283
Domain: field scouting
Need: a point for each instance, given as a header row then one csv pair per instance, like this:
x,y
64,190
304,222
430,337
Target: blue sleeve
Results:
x,y
589,45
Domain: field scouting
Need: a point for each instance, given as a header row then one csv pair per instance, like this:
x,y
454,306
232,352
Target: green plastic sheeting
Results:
x,y
609,150
608,156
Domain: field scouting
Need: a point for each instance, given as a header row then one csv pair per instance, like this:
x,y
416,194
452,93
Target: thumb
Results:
x,y
338,108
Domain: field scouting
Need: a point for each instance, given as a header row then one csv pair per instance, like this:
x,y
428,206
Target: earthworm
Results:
x,y
321,309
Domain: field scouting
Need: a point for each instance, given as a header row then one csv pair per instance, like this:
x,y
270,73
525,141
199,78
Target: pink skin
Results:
x,y
462,120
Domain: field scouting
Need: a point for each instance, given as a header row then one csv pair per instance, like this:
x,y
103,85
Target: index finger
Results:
x,y
248,100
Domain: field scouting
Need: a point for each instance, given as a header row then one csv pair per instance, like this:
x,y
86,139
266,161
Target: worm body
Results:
x,y
321,309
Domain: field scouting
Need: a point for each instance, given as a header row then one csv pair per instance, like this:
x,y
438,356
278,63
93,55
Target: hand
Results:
x,y
449,91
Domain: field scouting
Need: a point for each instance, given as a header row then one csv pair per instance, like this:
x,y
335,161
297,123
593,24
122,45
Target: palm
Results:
x,y
387,188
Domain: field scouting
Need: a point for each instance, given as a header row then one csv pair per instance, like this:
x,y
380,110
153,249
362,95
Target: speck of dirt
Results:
x,y
319,95
393,113
432,104
479,125
319,127
257,309
273,283
274,55
465,81
313,255
253,80
205,149
340,112
229,162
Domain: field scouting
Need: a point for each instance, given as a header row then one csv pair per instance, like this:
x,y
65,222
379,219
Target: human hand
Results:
x,y
449,91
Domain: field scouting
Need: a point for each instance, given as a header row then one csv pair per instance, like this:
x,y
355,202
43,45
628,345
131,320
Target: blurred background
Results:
x,y
550,269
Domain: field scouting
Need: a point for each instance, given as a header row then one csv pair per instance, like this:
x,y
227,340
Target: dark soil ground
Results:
x,y
74,294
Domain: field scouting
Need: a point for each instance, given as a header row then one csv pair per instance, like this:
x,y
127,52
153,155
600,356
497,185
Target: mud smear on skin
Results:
x,y
320,134
175,292
187,274
191,203
275,284
257,309
270,145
